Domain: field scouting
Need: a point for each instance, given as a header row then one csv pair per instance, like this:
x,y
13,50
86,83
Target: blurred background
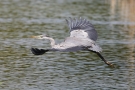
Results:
x,y
114,21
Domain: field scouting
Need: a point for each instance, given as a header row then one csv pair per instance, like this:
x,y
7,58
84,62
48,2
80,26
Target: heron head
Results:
x,y
40,37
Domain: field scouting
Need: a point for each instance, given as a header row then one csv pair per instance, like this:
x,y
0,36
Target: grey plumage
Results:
x,y
82,37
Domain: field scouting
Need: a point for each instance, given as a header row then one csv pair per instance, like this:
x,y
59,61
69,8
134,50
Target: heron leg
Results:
x,y
106,62
37,51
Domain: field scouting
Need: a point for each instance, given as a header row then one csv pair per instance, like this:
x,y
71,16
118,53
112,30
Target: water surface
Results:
x,y
114,21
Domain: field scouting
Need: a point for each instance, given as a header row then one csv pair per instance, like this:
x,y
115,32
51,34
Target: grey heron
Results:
x,y
83,36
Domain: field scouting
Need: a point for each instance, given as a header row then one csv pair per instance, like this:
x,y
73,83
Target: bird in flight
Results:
x,y
83,36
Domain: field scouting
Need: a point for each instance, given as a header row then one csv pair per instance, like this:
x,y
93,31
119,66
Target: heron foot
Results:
x,y
110,64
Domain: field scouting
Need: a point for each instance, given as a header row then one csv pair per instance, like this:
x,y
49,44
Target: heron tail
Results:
x,y
95,48
37,51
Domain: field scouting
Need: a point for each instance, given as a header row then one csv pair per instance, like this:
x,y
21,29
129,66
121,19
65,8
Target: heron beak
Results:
x,y
34,36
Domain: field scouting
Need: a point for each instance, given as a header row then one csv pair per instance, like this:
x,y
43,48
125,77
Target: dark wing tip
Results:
x,y
37,51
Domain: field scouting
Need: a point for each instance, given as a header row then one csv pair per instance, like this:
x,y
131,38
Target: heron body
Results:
x,y
83,36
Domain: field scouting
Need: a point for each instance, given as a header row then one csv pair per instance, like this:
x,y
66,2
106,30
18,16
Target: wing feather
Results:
x,y
82,24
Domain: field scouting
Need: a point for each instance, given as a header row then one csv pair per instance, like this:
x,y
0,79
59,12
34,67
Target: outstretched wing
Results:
x,y
81,28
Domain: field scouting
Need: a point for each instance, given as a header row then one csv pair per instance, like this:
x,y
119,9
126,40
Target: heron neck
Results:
x,y
51,40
